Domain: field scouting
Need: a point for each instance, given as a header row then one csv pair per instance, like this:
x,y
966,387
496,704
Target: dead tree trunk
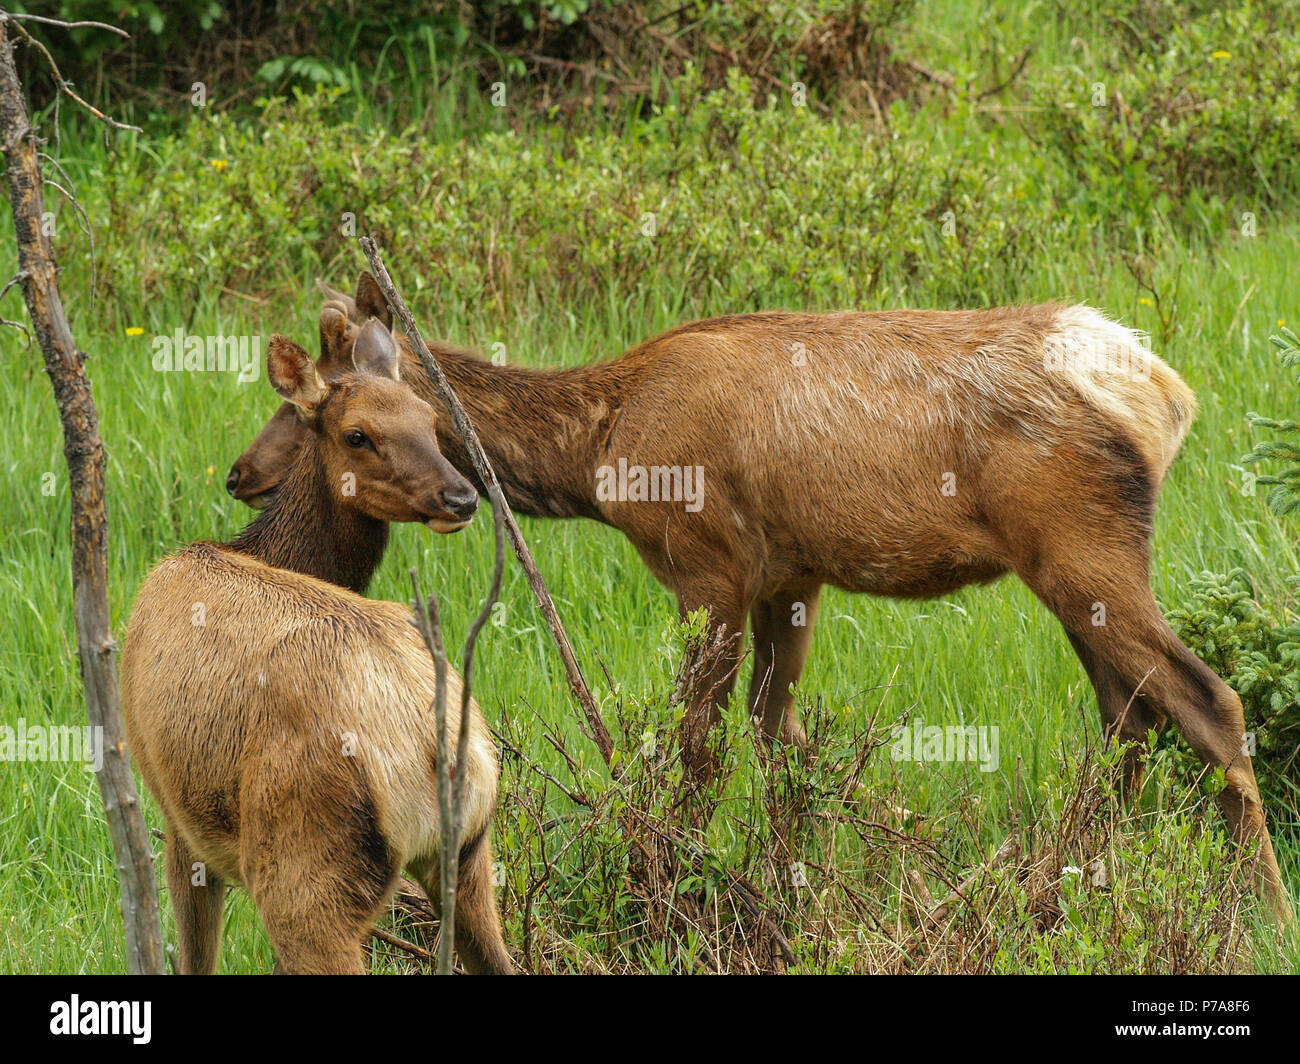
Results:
x,y
84,452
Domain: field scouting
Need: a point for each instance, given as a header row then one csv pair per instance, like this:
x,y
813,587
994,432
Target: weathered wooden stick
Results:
x,y
1006,851
451,794
428,620
479,459
84,451
402,944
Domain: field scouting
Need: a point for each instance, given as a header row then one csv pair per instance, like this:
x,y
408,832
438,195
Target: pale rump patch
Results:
x,y
1115,372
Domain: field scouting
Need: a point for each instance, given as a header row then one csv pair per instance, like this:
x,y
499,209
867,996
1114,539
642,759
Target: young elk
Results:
x,y
900,453
285,724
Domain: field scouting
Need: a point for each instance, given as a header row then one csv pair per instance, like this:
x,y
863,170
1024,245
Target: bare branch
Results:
x,y
429,622
65,86
83,220
83,25
467,669
451,794
935,917
20,326
402,944
84,451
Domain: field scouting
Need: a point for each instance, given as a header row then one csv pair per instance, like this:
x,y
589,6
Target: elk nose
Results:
x,y
462,501
232,479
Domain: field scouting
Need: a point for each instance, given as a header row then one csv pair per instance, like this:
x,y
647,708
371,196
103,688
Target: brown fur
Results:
x,y
902,453
290,738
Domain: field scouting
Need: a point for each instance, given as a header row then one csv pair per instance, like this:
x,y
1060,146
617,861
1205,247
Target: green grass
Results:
x,y
984,656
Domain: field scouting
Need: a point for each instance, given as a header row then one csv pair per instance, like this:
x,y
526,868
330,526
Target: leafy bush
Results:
x,y
841,49
1105,891
1101,889
1257,652
1284,496
811,861
848,215
1257,649
1188,112
836,46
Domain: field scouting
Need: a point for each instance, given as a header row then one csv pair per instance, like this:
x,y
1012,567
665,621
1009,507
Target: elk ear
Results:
x,y
290,370
333,333
335,296
375,351
370,300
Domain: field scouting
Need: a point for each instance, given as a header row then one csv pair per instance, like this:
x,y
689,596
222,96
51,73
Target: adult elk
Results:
x,y
285,724
900,453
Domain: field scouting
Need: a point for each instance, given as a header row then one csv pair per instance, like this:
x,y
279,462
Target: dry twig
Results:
x,y
84,451
487,476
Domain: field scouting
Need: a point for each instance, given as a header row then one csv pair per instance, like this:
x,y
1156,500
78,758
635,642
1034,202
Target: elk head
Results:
x,y
376,441
258,471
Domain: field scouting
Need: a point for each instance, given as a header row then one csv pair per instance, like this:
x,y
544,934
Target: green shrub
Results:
x,y
1104,891
812,861
1255,648
1155,895
1284,493
1192,113
1257,652
847,216
836,46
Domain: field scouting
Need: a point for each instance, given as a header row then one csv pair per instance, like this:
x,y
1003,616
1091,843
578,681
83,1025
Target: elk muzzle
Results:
x,y
457,505
248,485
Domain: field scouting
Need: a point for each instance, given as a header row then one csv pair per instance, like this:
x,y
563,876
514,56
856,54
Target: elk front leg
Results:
x,y
783,628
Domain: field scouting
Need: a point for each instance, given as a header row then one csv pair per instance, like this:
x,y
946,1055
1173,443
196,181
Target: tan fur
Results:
x,y
902,453
285,724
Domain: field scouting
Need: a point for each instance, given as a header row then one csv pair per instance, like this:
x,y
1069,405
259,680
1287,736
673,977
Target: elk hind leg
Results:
x,y
1137,643
319,884
320,929
197,895
1125,716
479,942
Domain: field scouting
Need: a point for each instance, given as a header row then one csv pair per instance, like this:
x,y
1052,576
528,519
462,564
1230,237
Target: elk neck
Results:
x,y
305,528
543,430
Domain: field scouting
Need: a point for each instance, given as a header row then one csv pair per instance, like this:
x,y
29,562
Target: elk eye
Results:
x,y
355,438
